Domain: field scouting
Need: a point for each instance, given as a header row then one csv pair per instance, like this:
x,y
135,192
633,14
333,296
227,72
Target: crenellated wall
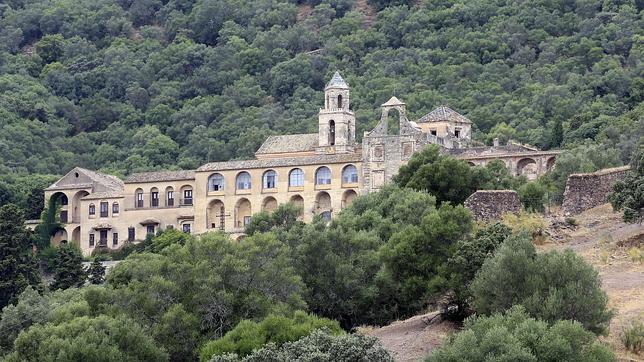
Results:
x,y
587,190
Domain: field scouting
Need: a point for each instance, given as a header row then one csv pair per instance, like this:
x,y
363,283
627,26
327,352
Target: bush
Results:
x,y
319,346
532,195
551,286
87,339
514,336
531,223
467,259
68,267
571,221
633,337
248,336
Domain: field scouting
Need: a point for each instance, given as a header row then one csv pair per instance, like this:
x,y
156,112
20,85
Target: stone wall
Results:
x,y
587,190
492,204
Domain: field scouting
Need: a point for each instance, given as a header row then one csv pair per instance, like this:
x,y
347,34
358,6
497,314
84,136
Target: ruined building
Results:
x,y
323,172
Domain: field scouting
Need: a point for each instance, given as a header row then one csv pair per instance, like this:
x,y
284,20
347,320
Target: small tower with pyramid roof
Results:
x,y
336,123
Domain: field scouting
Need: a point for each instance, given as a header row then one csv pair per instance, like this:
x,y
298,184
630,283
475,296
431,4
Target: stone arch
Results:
x,y
348,197
269,204
527,167
76,236
298,201
76,203
139,198
186,195
216,215
216,182
550,163
59,236
169,196
243,212
331,132
323,205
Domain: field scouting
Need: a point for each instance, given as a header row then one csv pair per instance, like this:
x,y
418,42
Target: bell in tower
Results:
x,y
336,123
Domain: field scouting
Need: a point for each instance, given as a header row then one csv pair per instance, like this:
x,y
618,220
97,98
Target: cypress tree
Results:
x,y
68,268
557,135
96,272
18,266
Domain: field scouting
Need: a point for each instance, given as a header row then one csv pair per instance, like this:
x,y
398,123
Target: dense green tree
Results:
x,y
96,272
101,338
551,286
68,267
468,257
18,267
284,217
532,196
515,336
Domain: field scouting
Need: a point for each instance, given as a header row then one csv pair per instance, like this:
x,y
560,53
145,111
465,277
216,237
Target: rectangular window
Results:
x,y
131,234
92,209
246,220
457,133
432,132
139,199
187,197
170,198
186,228
104,209
91,240
150,229
115,239
115,208
154,199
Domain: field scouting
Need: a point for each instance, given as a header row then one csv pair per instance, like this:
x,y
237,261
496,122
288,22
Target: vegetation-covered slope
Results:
x,y
130,85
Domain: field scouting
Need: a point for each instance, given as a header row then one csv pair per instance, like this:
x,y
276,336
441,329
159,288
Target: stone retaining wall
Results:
x,y
587,190
492,204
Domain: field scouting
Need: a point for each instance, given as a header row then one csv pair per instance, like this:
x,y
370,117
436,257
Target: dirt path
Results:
x,y
414,338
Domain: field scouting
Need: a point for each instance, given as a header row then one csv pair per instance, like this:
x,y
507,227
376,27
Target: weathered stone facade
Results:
x,y
493,204
323,172
587,190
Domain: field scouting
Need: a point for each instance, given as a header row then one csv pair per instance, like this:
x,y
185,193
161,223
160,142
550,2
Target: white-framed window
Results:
x,y
323,176
243,181
296,177
349,174
186,228
269,180
216,182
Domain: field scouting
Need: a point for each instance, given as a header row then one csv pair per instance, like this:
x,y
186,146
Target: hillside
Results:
x,y
132,85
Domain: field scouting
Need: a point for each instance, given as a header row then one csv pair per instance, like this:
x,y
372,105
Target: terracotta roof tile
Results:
x,y
289,143
158,176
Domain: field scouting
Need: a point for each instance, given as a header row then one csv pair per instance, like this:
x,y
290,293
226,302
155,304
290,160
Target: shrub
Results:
x,y
514,336
636,255
532,223
87,339
248,336
551,286
633,337
571,221
467,259
319,346
532,196
68,267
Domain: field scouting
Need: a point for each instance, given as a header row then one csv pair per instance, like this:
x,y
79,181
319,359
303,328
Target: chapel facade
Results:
x,y
322,172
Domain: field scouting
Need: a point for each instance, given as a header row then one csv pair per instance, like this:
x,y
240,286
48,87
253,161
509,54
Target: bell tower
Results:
x,y
336,123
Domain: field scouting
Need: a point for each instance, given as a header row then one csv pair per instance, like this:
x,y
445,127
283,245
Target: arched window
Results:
x,y
296,177
92,209
154,197
340,101
349,174
63,200
216,182
115,208
169,196
323,176
243,181
139,198
331,132
269,180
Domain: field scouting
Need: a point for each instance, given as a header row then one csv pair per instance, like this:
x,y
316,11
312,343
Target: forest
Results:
x,y
124,86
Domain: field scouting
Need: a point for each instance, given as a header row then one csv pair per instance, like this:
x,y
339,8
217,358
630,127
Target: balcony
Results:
x,y
185,202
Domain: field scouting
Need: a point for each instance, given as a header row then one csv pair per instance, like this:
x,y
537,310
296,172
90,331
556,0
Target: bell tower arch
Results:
x,y
336,122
